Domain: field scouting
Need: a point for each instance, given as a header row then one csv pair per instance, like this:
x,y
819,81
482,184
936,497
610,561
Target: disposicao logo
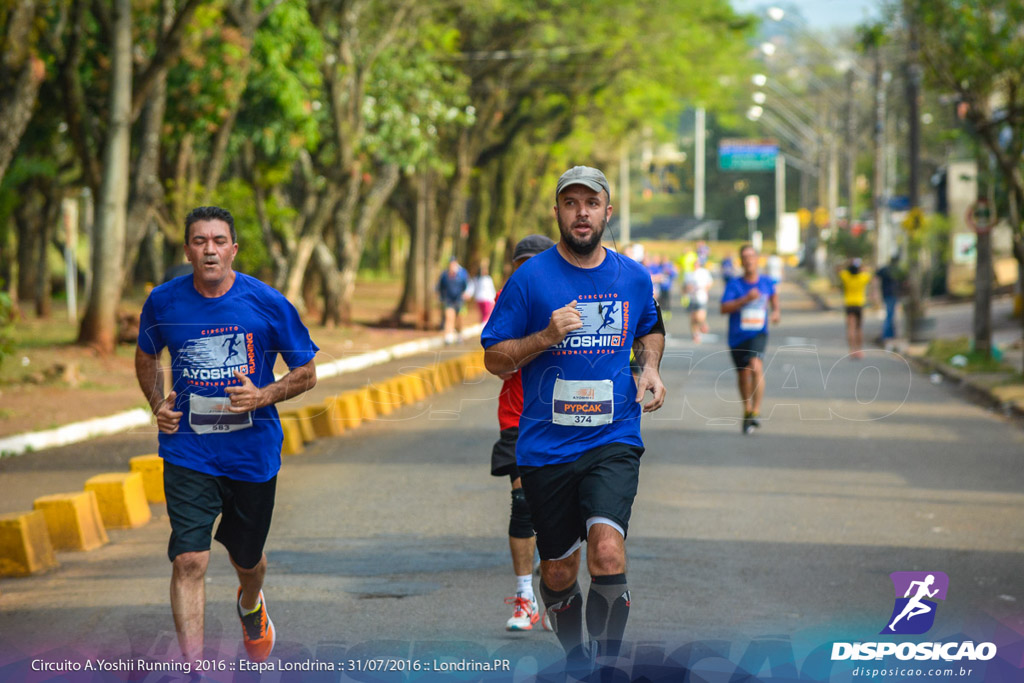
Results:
x,y
914,610
913,613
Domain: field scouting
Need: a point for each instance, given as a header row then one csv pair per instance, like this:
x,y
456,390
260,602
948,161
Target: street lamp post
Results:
x,y
828,191
819,138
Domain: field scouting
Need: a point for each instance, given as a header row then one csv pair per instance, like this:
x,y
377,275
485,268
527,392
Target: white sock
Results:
x,y
524,586
246,612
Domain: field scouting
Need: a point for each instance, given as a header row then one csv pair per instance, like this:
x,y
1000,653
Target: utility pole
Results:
x,y
698,164
625,224
915,307
883,246
851,155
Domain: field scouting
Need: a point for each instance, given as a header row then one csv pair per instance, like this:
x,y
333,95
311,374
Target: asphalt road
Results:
x,y
749,554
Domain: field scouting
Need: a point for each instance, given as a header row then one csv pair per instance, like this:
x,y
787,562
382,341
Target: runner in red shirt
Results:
x,y
503,461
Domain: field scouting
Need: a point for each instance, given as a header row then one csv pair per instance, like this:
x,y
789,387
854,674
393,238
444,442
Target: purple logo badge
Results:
x,y
914,610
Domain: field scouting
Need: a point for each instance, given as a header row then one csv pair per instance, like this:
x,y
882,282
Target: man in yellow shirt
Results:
x,y
855,286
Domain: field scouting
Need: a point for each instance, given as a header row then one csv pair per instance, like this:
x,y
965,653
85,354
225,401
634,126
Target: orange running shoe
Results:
x,y
257,630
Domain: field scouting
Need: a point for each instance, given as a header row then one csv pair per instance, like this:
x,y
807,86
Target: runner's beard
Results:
x,y
582,247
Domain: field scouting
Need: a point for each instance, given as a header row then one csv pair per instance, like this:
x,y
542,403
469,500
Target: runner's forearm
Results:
x,y
297,381
510,355
648,350
150,378
732,306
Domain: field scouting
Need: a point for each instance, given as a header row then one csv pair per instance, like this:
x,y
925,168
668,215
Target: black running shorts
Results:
x,y
503,455
601,483
856,311
749,349
194,500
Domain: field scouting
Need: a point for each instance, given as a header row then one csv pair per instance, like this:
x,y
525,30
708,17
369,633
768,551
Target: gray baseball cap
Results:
x,y
531,245
586,176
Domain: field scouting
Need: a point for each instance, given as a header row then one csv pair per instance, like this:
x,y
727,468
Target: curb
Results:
x,y
76,432
121,500
978,393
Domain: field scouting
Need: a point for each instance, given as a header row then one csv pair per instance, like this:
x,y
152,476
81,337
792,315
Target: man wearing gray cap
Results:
x,y
569,318
521,541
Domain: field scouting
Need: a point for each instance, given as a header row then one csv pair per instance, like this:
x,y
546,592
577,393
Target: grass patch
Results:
x,y
943,350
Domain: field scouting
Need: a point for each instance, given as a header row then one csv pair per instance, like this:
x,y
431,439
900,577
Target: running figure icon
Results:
x,y
231,341
609,315
915,606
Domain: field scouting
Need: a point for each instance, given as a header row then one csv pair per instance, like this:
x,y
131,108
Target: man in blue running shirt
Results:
x,y
751,302
569,318
220,436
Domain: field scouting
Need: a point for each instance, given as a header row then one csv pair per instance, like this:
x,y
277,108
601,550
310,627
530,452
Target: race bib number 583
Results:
x,y
211,415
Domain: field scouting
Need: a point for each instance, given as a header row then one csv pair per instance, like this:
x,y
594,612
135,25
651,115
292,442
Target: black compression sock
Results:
x,y
607,611
565,611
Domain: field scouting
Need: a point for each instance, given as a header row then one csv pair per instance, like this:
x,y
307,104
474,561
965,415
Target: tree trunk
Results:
x,y
99,325
276,247
412,276
47,227
983,295
332,285
26,221
16,107
352,244
147,192
21,74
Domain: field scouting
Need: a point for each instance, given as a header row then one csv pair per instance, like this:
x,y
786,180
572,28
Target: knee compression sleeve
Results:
x,y
520,524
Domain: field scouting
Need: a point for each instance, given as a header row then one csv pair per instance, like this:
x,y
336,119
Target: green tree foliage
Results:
x,y
319,122
974,50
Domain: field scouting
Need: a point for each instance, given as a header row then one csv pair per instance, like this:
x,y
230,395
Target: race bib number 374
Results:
x,y
583,403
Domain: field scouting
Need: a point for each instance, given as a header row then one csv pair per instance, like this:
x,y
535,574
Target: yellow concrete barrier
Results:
x,y
151,467
293,443
465,366
409,389
442,378
73,520
426,376
322,417
303,422
419,389
349,405
473,365
25,546
385,400
454,369
122,499
367,408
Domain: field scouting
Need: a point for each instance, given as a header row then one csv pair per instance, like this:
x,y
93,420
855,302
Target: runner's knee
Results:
x,y
559,575
192,565
606,550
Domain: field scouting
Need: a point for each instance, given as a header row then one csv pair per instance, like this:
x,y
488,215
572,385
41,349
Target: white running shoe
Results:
x,y
545,621
525,615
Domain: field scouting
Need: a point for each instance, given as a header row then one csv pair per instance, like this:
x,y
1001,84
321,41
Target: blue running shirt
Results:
x,y
209,339
752,319
579,394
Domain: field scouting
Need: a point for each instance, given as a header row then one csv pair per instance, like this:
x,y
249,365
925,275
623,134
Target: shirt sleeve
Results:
x,y
648,318
732,291
509,319
150,340
293,340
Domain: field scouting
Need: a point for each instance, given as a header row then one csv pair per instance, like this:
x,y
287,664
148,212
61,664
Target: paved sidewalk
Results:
x,y
954,319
